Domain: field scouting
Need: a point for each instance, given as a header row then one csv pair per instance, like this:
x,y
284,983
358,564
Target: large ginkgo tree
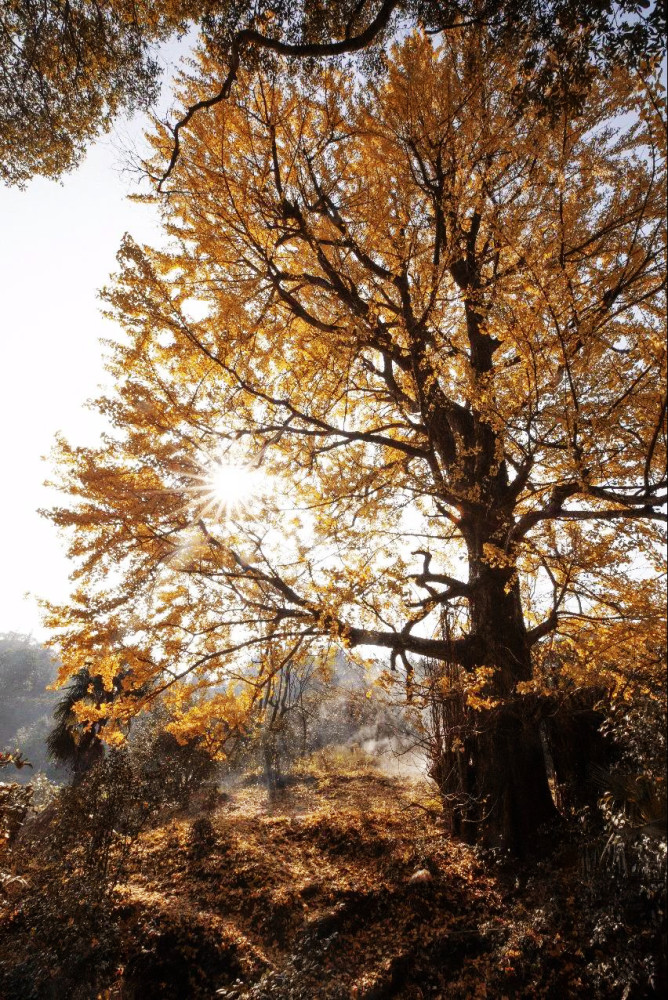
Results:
x,y
395,385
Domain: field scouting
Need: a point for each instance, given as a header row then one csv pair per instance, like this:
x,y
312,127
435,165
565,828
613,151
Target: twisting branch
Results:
x,y
302,50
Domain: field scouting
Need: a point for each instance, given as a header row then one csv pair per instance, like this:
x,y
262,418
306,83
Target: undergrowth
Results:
x,y
342,887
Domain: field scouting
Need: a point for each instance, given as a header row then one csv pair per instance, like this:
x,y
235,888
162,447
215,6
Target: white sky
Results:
x,y
57,248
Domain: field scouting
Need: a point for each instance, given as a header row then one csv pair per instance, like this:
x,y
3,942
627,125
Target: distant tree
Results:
x,y
27,669
68,67
284,716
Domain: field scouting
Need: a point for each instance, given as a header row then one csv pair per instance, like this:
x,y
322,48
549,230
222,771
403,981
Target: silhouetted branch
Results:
x,y
302,50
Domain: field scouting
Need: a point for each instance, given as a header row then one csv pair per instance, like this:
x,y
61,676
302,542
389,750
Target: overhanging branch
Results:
x,y
250,37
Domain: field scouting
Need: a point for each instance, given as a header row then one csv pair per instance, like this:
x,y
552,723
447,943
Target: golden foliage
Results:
x,y
426,322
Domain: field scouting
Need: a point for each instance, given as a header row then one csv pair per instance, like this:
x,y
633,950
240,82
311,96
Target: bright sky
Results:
x,y
57,248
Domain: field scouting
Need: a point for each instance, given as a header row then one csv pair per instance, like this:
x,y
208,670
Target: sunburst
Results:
x,y
230,488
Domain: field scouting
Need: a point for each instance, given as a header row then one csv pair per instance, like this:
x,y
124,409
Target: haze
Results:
x,y
58,248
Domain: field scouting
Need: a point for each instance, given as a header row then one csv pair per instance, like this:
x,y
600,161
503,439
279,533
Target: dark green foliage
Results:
x,y
616,914
70,743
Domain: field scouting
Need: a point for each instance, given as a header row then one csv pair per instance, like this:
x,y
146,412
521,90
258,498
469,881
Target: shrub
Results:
x,y
202,838
74,862
177,770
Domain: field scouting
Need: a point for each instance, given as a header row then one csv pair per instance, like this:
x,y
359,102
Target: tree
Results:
x,y
72,743
432,331
69,67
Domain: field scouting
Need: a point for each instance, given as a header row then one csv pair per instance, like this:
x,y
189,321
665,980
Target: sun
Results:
x,y
232,486
224,488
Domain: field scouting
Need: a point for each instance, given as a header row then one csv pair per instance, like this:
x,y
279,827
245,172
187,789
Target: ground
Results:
x,y
344,887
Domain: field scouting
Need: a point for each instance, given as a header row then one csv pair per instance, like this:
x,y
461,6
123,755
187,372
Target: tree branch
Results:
x,y
248,37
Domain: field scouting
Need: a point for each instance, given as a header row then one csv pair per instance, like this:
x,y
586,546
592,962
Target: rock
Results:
x,y
12,885
421,877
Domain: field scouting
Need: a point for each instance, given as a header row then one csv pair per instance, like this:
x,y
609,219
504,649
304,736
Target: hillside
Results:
x,y
26,705
344,888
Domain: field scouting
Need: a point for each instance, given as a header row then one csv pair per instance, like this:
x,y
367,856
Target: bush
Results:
x,y
14,805
177,770
75,860
202,838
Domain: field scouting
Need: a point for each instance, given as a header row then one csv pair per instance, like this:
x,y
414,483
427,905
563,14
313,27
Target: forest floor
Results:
x,y
343,887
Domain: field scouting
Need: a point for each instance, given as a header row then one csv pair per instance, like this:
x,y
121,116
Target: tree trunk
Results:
x,y
493,763
272,765
501,770
510,797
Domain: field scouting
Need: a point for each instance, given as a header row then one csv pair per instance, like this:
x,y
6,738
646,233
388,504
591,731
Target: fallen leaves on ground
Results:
x,y
342,887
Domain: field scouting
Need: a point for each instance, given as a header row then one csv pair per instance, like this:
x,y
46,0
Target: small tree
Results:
x,y
73,743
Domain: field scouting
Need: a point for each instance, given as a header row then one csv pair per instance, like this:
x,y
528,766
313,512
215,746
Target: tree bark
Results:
x,y
502,772
507,797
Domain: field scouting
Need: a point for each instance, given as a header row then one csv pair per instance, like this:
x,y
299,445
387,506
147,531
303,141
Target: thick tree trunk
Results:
x,y
502,794
510,794
500,772
511,767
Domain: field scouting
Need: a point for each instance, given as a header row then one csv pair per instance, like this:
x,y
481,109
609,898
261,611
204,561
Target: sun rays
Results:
x,y
227,489
233,485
